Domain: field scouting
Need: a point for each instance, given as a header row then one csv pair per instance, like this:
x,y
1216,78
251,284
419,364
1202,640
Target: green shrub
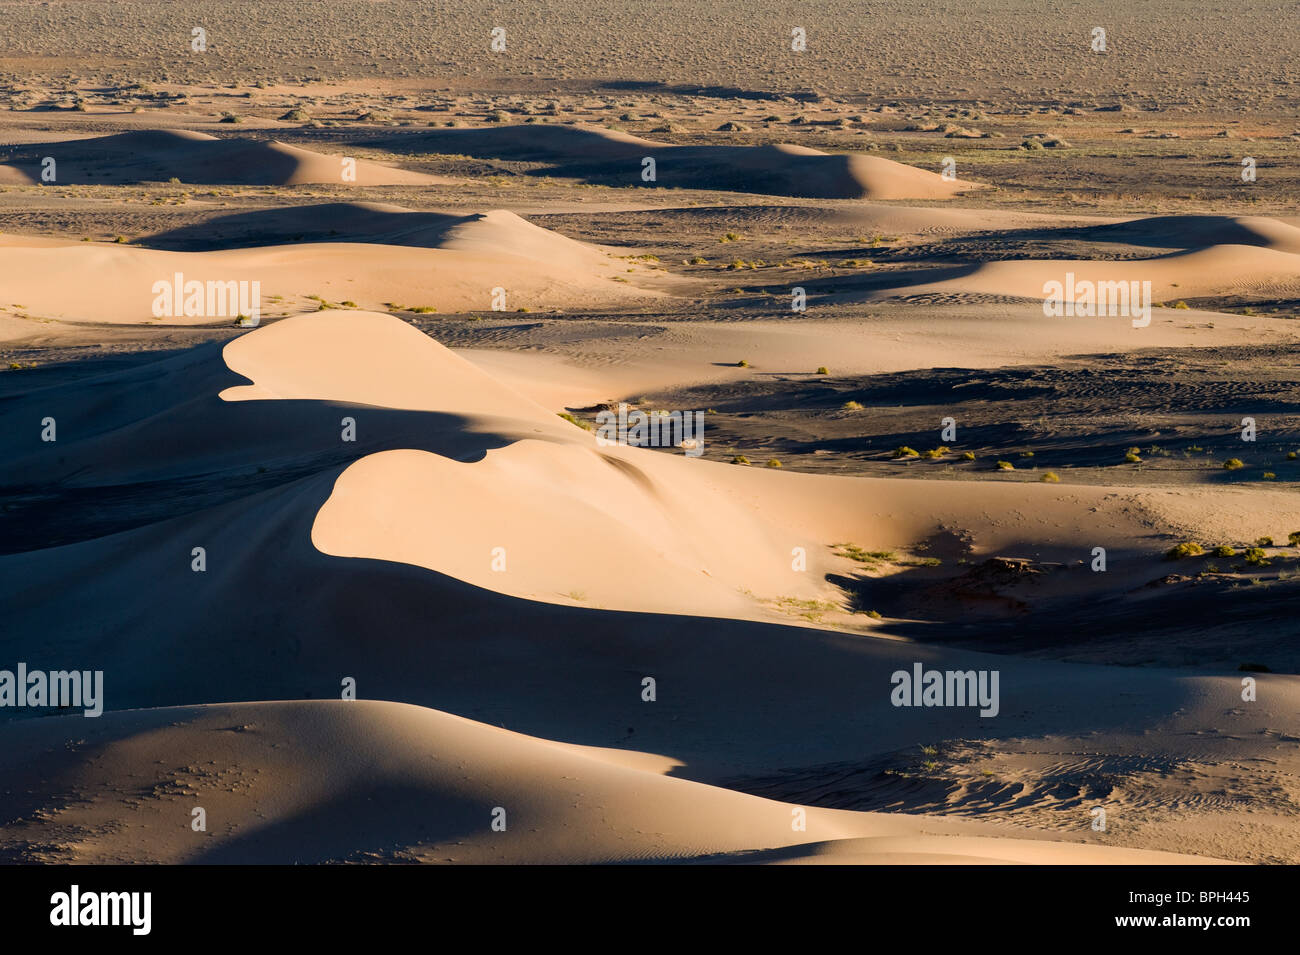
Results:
x,y
1185,549
1233,464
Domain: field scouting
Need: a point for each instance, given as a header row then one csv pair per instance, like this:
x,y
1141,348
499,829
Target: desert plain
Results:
x,y
365,581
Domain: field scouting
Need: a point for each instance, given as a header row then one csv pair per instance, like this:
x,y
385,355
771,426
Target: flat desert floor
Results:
x,y
365,581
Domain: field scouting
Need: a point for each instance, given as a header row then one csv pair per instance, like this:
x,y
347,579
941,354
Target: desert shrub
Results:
x,y
1255,557
1185,549
740,459
823,370
1233,464
905,452
1051,477
585,426
773,463
1006,466
1224,550
851,406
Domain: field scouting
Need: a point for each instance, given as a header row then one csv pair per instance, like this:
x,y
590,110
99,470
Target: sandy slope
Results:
x,y
457,271
364,781
779,169
158,155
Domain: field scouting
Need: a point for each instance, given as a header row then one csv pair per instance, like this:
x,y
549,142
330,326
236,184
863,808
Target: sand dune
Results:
x,y
158,155
462,260
780,169
364,781
379,223
1215,271
1196,232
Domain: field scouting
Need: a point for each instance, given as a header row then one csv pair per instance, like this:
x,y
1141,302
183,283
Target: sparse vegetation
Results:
x,y
1233,464
1006,466
1185,549
584,425
1050,477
